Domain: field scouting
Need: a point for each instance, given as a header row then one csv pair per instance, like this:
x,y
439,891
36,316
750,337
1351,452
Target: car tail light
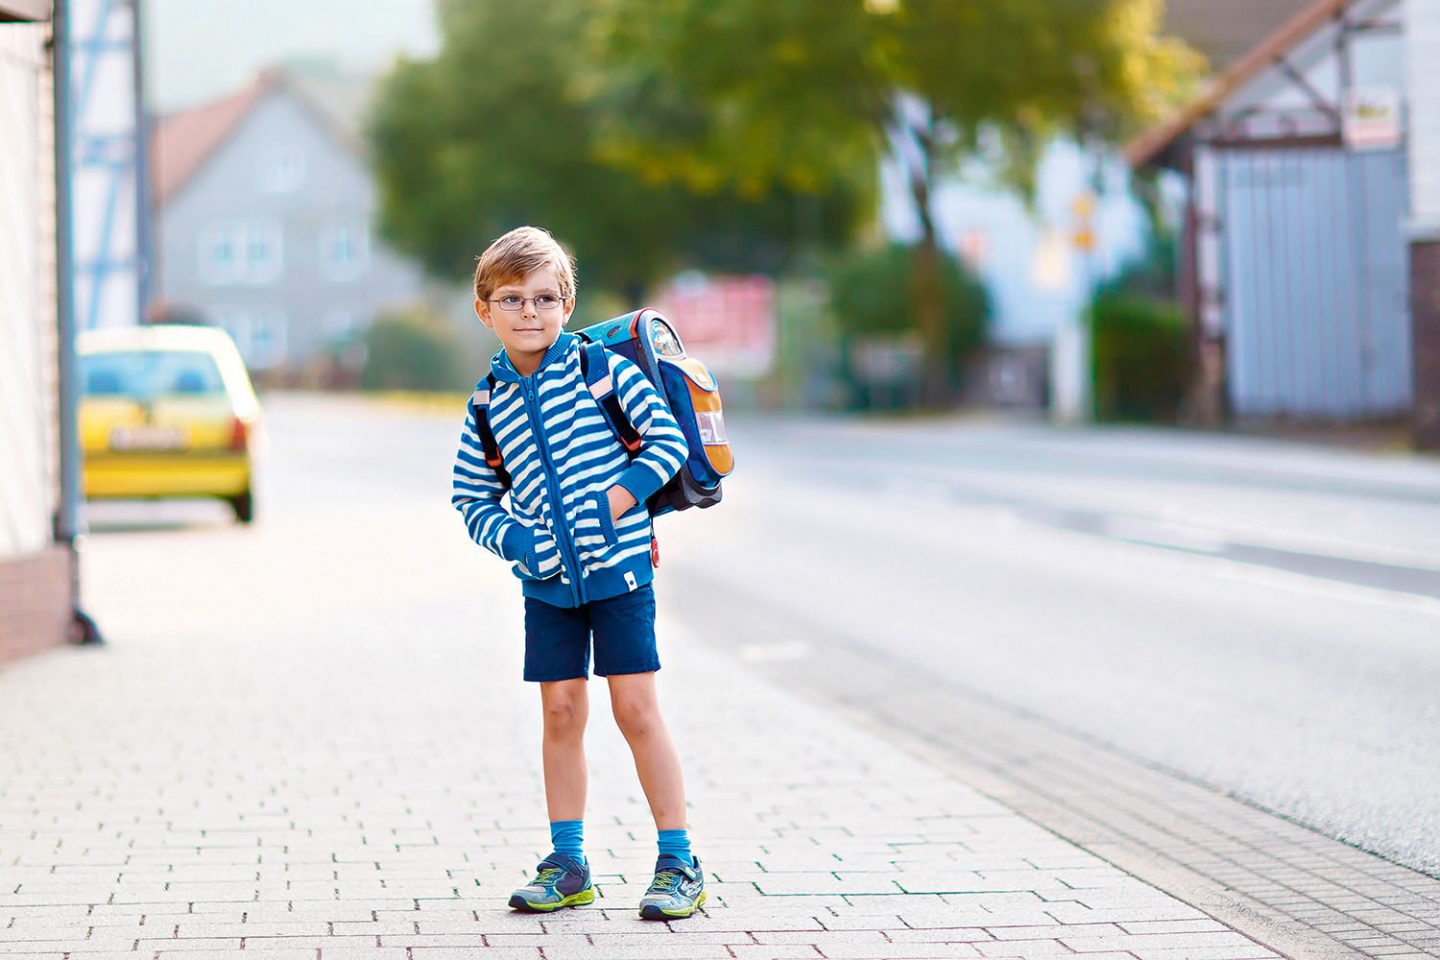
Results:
x,y
239,434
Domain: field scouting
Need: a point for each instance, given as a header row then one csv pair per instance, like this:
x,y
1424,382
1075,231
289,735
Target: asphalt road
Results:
x,y
1258,616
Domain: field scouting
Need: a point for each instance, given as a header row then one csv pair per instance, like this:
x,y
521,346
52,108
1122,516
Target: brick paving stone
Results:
x,y
774,951
939,935
901,951
1030,949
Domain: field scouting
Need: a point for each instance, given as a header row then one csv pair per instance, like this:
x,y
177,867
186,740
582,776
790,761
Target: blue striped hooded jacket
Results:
x,y
562,456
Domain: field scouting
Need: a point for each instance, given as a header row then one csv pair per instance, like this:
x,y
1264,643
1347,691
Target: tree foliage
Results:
x,y
871,296
752,92
757,92
499,129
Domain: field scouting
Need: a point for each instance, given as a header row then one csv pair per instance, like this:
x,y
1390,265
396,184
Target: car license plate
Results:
x,y
148,438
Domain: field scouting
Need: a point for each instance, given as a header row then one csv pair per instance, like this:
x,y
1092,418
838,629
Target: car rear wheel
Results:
x,y
244,506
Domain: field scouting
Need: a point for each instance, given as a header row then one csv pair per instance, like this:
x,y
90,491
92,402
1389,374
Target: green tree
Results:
x,y
874,301
498,130
758,92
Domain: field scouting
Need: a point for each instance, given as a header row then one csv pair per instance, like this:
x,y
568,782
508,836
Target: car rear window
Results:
x,y
150,373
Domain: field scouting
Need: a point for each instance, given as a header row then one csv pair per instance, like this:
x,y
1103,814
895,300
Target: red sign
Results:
x,y
729,322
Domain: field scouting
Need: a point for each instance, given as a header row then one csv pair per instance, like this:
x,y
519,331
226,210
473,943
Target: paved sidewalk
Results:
x,y
327,759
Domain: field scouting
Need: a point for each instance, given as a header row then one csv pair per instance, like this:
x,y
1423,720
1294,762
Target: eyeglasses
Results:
x,y
544,303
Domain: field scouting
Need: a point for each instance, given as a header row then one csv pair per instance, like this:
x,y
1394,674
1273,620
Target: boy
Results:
x,y
578,535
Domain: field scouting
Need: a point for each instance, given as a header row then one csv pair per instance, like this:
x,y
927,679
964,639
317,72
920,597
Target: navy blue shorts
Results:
x,y
557,639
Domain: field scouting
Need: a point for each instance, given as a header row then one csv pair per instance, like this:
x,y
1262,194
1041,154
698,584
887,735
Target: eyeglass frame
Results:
x,y
538,309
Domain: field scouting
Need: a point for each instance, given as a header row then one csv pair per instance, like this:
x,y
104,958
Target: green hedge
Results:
x,y
1142,357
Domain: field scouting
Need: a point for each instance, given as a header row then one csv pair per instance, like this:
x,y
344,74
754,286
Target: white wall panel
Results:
x,y
28,486
1422,38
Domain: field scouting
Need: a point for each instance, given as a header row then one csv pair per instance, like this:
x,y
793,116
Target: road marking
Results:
x,y
1163,533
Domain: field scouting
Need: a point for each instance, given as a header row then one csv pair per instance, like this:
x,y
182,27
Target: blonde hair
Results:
x,y
518,254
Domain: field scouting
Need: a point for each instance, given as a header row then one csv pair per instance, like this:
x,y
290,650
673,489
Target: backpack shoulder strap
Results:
x,y
480,409
595,366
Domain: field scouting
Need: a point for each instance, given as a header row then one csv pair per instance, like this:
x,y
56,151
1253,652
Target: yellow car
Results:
x,y
167,411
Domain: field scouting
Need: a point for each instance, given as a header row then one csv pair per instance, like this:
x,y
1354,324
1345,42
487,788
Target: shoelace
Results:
x,y
667,881
546,876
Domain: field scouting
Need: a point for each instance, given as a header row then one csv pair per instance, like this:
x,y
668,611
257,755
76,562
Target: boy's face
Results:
x,y
526,332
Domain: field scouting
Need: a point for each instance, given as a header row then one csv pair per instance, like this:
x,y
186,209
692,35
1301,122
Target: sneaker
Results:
x,y
559,882
677,891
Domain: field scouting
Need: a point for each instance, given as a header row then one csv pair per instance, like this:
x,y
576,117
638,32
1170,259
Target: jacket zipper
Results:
x,y
558,527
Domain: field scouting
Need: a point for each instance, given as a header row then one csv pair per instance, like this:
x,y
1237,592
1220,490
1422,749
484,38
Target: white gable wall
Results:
x,y
1422,65
1376,59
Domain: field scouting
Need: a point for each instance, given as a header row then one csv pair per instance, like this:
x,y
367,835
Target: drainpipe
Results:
x,y
68,520
144,248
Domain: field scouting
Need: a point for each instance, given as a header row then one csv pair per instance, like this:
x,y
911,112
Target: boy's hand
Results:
x,y
620,501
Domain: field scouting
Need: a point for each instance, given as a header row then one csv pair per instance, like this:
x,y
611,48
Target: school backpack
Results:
x,y
646,338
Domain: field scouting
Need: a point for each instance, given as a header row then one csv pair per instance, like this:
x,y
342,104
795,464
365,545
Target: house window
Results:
x,y
218,255
268,337
282,171
259,332
344,252
233,254
263,253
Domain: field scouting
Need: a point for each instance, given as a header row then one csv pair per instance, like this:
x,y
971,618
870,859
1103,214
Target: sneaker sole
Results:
x,y
652,912
574,900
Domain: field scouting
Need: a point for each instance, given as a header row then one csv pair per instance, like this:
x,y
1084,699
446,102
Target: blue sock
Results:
x,y
676,843
568,838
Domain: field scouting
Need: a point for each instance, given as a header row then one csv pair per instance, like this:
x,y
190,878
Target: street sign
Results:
x,y
1371,118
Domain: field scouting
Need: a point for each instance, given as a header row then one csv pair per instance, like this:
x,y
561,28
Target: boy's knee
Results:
x,y
635,718
564,714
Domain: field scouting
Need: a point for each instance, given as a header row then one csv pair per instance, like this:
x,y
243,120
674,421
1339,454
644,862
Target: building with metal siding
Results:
x,y
1299,162
35,591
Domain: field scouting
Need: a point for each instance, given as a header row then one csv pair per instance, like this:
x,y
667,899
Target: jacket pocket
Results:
x,y
601,501
542,560
594,532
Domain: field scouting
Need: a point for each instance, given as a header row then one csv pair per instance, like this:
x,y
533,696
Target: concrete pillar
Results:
x,y
1422,69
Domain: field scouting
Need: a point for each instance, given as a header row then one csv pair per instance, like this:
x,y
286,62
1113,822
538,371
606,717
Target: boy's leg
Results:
x,y
678,889
566,706
563,878
637,713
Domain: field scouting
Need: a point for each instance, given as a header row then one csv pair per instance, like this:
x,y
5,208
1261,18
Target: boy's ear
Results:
x,y
569,309
482,310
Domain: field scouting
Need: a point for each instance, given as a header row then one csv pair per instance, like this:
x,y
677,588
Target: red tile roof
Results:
x,y
181,142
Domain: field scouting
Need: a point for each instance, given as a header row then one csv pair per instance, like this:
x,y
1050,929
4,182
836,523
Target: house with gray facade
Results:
x,y
264,220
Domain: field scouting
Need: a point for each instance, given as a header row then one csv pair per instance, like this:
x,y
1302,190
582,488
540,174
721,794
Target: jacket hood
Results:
x,y
505,372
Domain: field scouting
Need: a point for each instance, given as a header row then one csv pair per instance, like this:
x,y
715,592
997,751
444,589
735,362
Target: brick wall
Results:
x,y
35,602
1425,320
